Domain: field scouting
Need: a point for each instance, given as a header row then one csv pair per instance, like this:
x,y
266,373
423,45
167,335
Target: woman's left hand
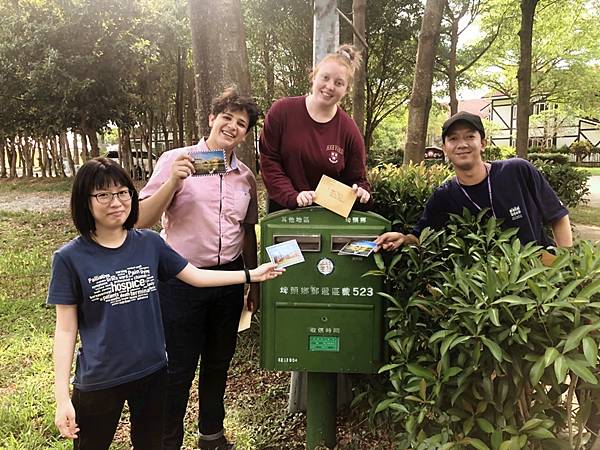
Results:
x,y
362,195
264,272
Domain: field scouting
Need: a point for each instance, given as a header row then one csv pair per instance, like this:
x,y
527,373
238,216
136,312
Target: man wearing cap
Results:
x,y
513,190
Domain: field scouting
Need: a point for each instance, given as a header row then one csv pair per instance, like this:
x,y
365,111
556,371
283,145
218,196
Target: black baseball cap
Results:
x,y
463,116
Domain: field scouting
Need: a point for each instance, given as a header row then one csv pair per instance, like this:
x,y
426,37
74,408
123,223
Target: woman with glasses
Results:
x,y
104,286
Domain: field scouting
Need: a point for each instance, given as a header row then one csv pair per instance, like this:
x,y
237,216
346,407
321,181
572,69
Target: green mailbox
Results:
x,y
322,315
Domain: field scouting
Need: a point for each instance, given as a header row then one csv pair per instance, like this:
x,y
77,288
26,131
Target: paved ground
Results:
x,y
594,197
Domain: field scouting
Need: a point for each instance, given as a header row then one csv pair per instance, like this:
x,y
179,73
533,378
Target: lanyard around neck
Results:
x,y
489,186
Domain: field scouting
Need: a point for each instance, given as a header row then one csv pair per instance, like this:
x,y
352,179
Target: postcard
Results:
x,y
335,196
212,162
285,253
358,248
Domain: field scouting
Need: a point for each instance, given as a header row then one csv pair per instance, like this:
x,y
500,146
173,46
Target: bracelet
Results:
x,y
247,272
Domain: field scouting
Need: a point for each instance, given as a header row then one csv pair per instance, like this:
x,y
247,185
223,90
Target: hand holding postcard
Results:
x,y
285,253
358,248
209,163
335,196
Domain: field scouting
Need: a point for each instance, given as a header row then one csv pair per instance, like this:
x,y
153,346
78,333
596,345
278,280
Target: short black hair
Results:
x,y
99,173
231,100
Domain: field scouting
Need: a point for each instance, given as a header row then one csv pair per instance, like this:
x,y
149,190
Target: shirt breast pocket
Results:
x,y
241,201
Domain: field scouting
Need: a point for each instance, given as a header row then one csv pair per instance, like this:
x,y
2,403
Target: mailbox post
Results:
x,y
322,316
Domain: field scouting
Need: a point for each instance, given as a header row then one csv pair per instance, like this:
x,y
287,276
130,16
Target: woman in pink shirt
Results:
x,y
209,220
306,137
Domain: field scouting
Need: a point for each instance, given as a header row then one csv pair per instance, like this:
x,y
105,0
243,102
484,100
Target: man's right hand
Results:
x,y
181,168
392,240
65,420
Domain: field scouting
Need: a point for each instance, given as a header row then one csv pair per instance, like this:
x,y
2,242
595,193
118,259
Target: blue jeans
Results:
x,y
200,324
98,413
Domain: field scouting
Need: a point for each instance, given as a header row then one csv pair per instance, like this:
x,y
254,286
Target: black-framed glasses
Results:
x,y
105,198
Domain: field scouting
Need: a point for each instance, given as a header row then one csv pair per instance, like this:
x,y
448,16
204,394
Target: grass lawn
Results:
x,y
585,215
591,170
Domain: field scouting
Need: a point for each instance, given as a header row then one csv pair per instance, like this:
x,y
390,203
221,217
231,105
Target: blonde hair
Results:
x,y
346,55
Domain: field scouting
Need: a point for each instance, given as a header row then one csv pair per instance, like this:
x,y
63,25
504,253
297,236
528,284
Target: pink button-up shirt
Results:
x,y
204,221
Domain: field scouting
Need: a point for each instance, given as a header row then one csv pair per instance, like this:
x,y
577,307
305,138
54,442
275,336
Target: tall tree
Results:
x,y
453,61
420,101
360,77
524,75
220,57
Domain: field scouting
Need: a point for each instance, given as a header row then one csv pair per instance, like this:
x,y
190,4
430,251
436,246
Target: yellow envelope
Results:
x,y
335,196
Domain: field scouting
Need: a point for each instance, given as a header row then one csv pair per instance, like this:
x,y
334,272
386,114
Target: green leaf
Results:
x,y
560,368
531,273
494,317
541,433
388,367
530,425
574,338
440,334
379,261
419,371
590,289
550,356
581,371
590,350
493,347
536,372
514,300
484,425
384,404
477,443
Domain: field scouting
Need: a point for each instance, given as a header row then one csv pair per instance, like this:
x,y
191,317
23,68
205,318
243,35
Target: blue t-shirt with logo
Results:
x,y
520,195
118,310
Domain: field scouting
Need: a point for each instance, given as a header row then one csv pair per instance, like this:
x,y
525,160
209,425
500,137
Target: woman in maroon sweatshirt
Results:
x,y
306,137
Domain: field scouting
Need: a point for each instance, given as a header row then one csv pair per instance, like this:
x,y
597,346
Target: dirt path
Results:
x,y
34,201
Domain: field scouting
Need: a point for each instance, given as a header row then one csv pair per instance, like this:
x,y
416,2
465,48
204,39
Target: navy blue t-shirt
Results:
x,y
118,311
520,195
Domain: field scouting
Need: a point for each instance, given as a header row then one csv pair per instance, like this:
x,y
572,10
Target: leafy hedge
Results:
x,y
402,191
569,183
484,339
557,158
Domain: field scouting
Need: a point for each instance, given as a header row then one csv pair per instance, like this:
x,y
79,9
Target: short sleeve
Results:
x,y
64,287
550,206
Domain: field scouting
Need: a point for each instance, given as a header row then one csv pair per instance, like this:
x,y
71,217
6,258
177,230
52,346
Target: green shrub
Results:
x,y
564,149
483,339
569,183
380,156
557,158
402,191
496,153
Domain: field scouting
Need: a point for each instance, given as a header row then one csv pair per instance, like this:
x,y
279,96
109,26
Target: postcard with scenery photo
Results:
x,y
212,162
285,254
358,248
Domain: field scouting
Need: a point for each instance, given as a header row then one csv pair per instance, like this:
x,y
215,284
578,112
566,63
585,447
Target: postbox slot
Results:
x,y
337,242
306,242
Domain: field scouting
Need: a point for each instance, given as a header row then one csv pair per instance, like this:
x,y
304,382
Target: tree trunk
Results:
x,y
360,76
192,132
56,159
75,149
12,159
90,132
125,148
179,103
266,38
85,153
2,156
452,66
220,58
66,149
524,76
326,29
420,101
